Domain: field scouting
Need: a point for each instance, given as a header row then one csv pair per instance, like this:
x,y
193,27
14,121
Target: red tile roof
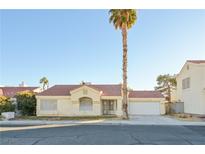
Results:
x,y
196,61
107,90
11,91
59,90
145,94
64,90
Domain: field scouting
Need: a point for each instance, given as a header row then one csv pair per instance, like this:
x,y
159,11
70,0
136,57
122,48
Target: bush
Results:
x,y
6,105
26,101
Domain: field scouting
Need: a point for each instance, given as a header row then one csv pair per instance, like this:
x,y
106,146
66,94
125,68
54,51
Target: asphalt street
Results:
x,y
106,135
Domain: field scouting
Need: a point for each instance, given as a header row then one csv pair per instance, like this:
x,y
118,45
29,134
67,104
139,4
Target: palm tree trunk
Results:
x,y
169,99
169,94
44,86
124,68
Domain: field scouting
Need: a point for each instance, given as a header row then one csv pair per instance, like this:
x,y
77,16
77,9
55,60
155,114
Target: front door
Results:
x,y
109,107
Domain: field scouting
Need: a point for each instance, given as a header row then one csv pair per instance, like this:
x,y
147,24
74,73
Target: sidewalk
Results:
x,y
136,120
44,122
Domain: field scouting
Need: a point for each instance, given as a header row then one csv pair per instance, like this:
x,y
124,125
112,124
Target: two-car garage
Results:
x,y
146,103
144,108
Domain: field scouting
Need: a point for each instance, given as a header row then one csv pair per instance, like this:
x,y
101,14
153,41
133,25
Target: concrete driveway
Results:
x,y
155,120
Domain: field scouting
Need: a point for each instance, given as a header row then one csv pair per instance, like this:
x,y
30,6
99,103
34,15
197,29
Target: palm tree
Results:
x,y
44,82
123,19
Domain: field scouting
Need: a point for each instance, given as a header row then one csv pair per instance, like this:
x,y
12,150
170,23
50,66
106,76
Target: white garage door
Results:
x,y
144,108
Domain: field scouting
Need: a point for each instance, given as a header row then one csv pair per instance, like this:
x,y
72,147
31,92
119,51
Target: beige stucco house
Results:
x,y
191,86
94,100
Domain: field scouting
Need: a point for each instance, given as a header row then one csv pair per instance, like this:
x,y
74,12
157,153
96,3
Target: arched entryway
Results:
x,y
86,104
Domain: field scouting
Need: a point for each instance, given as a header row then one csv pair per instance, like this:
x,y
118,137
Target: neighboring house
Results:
x,y
12,91
93,100
191,86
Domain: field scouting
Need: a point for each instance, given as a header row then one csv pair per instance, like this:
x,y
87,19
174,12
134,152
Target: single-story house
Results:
x,y
191,86
93,100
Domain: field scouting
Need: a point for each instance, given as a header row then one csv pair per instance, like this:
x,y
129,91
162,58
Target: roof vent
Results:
x,y
85,83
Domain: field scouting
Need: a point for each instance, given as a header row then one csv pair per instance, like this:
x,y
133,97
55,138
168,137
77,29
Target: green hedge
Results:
x,y
6,105
26,103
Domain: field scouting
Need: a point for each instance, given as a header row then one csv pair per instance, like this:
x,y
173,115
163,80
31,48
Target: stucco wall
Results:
x,y
64,106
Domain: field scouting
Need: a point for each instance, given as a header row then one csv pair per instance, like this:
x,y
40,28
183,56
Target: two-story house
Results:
x,y
191,86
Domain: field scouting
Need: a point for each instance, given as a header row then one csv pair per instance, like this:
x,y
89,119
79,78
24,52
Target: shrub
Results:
x,y
26,101
6,105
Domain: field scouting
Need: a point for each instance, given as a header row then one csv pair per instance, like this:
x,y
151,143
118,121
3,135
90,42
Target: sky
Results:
x,y
70,46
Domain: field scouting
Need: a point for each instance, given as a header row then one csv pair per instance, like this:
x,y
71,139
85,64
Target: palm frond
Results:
x,y
122,17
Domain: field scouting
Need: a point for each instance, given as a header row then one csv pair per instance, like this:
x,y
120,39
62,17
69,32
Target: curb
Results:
x,y
38,123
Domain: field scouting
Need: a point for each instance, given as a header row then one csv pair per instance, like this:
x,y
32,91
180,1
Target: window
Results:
x,y
186,83
86,104
48,105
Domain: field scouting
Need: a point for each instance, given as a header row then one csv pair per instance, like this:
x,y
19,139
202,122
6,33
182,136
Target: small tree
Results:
x,y
166,84
6,105
26,101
